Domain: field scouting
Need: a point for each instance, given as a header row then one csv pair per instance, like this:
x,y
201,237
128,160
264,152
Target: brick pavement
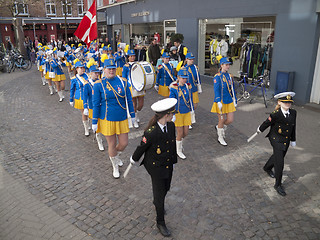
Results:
x,y
217,193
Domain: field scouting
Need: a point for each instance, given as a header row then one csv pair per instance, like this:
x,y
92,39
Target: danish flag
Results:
x,y
87,29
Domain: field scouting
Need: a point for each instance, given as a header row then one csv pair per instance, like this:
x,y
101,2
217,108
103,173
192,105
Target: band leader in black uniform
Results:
x,y
282,123
159,148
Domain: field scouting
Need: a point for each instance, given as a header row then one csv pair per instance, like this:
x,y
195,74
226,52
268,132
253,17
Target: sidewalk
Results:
x,y
56,184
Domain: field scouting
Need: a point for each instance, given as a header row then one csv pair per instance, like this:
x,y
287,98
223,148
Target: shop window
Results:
x,y
21,8
50,7
248,42
80,7
66,7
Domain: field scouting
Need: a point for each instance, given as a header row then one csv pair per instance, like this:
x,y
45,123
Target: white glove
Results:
x,y
199,88
100,68
235,104
173,118
156,88
220,105
133,162
71,104
258,130
94,127
293,144
86,112
133,120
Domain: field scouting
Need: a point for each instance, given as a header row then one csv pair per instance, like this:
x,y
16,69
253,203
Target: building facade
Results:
x,y
44,19
281,36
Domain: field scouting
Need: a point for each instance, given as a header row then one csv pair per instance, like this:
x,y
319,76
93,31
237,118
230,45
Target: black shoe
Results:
x,y
270,173
163,230
280,190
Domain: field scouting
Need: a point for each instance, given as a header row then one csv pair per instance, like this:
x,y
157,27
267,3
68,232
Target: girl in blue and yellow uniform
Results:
x,y
137,97
194,78
94,74
76,92
59,79
49,72
225,100
112,103
120,59
41,66
182,92
165,76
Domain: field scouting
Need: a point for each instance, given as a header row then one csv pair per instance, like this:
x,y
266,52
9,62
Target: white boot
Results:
x,y
60,95
179,150
54,87
137,116
224,130
99,141
136,124
51,90
115,167
220,137
43,81
86,127
89,124
119,161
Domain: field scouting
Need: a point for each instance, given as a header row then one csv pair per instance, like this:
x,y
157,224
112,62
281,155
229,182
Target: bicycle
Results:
x,y
243,91
16,60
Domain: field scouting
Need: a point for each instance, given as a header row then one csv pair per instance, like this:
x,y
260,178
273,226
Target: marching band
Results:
x,y
112,96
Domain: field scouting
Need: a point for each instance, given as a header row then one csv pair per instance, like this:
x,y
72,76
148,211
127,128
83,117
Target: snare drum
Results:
x,y
142,76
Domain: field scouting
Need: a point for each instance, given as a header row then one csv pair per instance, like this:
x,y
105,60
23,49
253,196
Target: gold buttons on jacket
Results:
x,y
168,160
287,130
168,151
286,137
285,143
167,141
154,163
167,166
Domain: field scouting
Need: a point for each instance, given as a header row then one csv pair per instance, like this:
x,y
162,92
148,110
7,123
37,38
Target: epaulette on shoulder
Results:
x,y
275,111
98,81
174,85
231,75
74,77
160,66
127,64
123,79
150,129
217,74
189,85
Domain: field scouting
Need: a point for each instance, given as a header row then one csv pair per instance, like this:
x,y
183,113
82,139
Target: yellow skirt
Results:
x,y
195,97
226,108
119,71
59,78
109,128
78,103
40,68
90,113
47,76
164,91
182,119
68,64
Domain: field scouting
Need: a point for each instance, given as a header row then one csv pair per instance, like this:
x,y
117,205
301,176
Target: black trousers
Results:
x,y
276,161
160,187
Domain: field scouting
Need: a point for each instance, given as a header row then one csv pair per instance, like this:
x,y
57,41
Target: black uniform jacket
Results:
x,y
283,130
159,151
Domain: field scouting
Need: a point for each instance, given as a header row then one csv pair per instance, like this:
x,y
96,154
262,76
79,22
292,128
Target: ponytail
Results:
x,y
277,107
154,120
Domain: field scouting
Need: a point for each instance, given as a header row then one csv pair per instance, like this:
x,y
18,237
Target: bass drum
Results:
x,y
143,76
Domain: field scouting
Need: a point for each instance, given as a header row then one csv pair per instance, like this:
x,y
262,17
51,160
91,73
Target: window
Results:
x,y
20,8
50,7
80,7
66,7
89,3
100,3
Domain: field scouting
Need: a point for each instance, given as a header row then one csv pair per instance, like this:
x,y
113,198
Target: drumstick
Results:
x,y
252,137
127,170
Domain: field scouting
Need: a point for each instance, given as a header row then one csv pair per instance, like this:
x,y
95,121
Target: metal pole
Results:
x,y
65,21
34,31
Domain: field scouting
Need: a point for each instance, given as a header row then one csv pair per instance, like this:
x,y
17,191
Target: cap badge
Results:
x,y
158,151
289,97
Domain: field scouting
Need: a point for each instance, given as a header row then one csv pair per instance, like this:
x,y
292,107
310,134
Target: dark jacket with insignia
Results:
x,y
159,151
282,129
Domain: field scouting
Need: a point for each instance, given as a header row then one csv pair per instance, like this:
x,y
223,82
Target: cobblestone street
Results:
x,y
56,184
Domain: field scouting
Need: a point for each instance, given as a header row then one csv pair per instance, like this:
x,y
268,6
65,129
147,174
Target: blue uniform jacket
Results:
x,y
163,77
87,94
120,59
109,101
76,87
183,95
56,67
194,77
223,86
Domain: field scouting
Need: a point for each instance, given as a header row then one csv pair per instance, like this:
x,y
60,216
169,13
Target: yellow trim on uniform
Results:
x,y
164,91
40,68
109,128
46,76
226,108
59,78
90,113
78,103
119,71
68,64
182,119
195,97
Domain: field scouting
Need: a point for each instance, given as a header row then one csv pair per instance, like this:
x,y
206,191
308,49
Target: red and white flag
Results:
x,y
87,29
